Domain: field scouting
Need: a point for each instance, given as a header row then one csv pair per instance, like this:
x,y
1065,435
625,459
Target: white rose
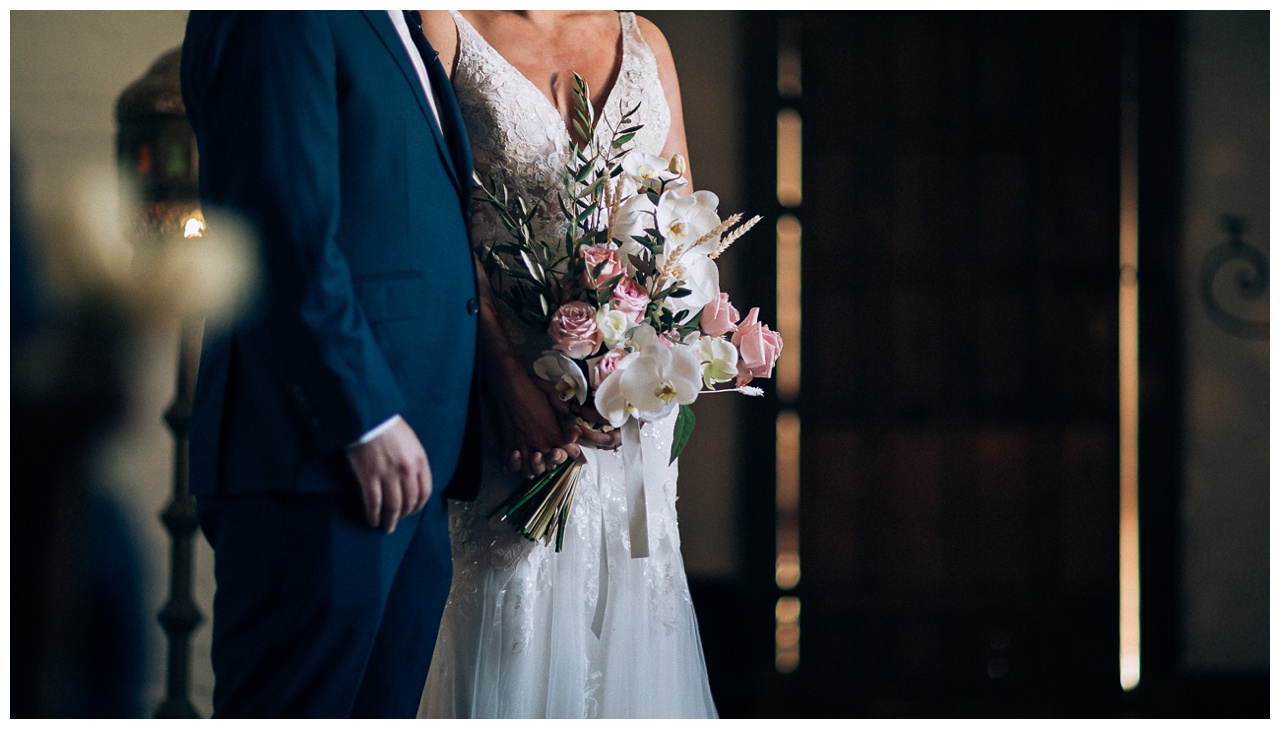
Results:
x,y
612,325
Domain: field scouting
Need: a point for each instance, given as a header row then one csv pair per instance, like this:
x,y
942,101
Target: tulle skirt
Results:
x,y
589,632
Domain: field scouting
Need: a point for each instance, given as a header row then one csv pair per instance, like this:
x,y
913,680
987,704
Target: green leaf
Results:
x,y
684,428
606,288
585,211
641,265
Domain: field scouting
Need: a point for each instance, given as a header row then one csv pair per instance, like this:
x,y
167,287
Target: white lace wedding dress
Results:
x,y
590,631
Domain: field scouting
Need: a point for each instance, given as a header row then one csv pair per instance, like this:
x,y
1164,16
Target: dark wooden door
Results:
x,y
959,460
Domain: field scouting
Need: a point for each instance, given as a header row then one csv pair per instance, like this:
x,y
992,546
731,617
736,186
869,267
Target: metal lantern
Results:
x,y
156,153
156,149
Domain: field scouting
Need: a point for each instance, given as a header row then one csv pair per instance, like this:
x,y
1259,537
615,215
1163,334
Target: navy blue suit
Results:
x,y
313,127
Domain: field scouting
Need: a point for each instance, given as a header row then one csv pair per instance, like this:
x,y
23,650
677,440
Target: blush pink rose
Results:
x,y
604,365
719,317
630,298
595,255
573,330
758,347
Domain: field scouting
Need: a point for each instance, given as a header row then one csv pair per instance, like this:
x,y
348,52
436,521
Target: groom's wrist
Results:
x,y
376,431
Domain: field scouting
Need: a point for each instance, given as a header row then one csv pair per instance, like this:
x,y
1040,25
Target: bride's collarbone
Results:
x,y
588,43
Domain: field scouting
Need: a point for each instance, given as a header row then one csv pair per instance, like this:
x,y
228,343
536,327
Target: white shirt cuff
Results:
x,y
376,431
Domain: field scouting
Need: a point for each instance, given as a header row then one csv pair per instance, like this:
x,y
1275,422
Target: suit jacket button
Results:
x,y
473,307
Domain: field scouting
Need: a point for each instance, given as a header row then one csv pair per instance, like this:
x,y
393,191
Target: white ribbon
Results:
x,y
633,468
637,511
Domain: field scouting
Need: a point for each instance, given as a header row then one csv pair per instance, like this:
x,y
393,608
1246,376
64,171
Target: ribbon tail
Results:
x,y
602,592
602,597
633,467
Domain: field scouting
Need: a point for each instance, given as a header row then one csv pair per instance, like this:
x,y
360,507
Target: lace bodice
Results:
x,y
518,136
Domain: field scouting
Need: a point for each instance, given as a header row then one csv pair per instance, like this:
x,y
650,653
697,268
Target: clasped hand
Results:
x,y
541,431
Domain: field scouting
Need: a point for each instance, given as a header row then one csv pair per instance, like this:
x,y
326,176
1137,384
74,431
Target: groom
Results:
x,y
330,419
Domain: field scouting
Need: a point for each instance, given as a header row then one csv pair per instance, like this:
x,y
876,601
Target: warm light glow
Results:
x,y
787,476
787,500
787,570
787,634
788,367
790,188
1130,567
789,85
193,228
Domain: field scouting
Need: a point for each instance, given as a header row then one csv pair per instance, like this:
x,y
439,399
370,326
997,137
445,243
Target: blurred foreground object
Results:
x,y
184,273
108,257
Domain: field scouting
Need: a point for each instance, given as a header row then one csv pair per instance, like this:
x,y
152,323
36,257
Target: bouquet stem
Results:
x,y
539,508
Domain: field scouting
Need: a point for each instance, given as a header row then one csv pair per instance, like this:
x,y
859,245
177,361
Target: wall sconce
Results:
x,y
156,149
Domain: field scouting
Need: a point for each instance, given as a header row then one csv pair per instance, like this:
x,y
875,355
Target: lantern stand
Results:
x,y
156,154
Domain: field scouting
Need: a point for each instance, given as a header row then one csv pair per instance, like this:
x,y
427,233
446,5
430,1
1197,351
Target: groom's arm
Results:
x,y
267,118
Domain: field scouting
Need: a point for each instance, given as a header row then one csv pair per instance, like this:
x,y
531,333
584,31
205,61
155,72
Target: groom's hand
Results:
x,y
395,480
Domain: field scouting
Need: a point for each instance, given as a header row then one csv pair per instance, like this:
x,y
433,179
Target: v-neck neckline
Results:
x,y
566,125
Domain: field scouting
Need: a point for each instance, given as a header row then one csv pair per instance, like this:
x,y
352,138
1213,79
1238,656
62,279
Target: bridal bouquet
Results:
x,y
629,298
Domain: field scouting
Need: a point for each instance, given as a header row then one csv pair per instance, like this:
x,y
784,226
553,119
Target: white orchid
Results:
x,y
649,383
718,357
564,373
652,171
684,219
697,273
633,218
640,336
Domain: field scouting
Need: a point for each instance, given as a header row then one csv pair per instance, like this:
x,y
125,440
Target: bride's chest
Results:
x,y
518,132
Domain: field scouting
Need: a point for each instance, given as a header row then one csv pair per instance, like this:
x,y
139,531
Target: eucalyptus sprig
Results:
x,y
590,194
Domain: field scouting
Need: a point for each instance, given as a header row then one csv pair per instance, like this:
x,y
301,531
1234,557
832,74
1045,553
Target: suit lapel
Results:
x,y
386,31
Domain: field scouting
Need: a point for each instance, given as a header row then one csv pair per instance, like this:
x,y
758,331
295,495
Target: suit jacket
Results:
x,y
314,128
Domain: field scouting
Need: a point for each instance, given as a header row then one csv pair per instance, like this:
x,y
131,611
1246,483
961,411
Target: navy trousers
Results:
x,y
317,615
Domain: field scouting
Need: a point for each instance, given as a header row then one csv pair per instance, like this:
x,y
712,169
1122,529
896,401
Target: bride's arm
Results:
x,y
676,143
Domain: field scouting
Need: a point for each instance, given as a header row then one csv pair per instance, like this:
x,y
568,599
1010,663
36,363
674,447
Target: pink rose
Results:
x,y
630,298
758,346
594,256
604,365
719,317
573,329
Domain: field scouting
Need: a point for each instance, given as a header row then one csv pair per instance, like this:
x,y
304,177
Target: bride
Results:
x,y
590,631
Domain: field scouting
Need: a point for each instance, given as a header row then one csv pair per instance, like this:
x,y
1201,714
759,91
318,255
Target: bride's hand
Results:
x,y
533,439
595,431
584,425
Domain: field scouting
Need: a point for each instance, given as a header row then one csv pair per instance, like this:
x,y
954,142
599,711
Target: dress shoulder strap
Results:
x,y
630,28
632,40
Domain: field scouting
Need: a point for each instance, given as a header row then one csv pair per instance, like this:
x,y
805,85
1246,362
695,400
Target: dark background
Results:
x,y
960,453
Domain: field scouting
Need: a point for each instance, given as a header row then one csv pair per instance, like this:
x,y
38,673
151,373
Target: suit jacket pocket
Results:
x,y
392,296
